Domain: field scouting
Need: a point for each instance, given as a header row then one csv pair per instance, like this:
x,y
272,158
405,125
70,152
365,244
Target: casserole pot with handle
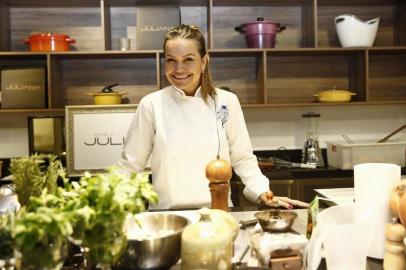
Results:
x,y
107,96
49,42
334,95
261,33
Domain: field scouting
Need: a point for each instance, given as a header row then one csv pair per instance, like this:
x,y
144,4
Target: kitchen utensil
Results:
x,y
107,96
243,224
8,199
391,134
125,44
344,155
261,33
158,244
276,220
273,162
342,234
311,153
49,42
353,32
334,95
347,139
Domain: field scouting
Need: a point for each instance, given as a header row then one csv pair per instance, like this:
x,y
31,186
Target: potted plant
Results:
x,y
111,197
40,237
32,174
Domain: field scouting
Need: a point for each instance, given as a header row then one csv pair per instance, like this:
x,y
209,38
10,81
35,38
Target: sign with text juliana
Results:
x,y
95,136
152,24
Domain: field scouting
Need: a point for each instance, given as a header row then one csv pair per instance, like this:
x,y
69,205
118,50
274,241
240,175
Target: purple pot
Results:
x,y
260,34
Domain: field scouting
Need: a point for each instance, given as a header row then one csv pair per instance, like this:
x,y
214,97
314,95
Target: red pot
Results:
x,y
260,34
49,42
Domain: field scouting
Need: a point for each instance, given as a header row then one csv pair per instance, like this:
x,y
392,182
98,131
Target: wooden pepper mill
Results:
x,y
394,257
219,173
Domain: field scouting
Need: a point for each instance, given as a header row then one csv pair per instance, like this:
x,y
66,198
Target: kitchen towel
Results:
x,y
372,185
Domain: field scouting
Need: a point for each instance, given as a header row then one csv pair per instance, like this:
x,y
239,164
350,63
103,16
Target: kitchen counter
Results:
x,y
299,173
294,155
243,237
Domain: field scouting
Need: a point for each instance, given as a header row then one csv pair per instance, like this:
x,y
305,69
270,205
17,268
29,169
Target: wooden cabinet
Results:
x,y
305,187
280,187
307,58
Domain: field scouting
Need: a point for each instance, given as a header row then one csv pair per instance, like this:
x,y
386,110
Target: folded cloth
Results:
x,y
264,244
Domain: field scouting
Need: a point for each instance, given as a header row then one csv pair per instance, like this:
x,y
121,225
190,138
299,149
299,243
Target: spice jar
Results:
x,y
208,244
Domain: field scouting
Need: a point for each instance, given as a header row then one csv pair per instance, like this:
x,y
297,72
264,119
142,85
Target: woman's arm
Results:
x,y
140,137
245,162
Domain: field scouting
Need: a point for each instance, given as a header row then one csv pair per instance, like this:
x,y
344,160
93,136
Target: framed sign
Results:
x,y
95,136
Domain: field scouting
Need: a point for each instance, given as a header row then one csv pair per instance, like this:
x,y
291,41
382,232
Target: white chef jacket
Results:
x,y
179,132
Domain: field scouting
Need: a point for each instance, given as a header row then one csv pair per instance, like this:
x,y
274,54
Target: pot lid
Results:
x,y
108,91
107,94
261,20
48,35
337,91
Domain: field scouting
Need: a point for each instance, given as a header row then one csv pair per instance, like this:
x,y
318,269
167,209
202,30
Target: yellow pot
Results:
x,y
334,95
110,98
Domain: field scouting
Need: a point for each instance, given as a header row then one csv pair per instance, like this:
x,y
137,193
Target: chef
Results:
x,y
185,125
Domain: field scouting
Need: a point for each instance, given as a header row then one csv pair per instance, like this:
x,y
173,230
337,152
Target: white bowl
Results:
x,y
353,32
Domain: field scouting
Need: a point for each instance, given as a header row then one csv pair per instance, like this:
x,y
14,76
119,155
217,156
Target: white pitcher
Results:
x,y
353,32
343,236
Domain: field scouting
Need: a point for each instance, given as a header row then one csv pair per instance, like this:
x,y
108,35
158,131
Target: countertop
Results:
x,y
242,240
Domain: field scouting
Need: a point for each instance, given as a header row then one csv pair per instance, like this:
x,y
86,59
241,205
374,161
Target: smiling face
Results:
x,y
183,64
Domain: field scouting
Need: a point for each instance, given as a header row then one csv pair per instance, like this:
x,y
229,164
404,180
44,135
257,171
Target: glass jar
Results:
x,y
43,257
208,244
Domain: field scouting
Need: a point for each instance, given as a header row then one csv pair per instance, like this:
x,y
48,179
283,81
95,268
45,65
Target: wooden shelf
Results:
x,y
307,57
231,51
33,111
326,104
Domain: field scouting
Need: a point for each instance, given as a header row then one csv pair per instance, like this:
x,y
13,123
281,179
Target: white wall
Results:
x,y
13,135
269,128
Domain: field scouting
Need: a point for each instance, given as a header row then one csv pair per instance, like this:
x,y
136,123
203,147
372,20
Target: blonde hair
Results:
x,y
193,32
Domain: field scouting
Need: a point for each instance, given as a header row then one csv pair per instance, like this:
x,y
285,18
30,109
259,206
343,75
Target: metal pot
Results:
x,y
49,42
260,34
107,96
334,95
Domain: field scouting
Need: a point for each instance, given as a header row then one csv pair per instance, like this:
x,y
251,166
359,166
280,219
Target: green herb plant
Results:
x,y
90,212
32,174
112,196
40,237
42,228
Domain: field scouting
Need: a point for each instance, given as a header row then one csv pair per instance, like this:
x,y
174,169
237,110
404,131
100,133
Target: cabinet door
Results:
x,y
283,188
306,187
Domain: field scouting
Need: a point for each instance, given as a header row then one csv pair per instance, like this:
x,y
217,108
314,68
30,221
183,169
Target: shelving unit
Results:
x,y
307,58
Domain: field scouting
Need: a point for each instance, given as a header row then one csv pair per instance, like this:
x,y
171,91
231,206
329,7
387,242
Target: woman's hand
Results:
x,y
269,199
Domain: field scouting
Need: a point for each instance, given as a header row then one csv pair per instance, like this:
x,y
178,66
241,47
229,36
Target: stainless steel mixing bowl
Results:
x,y
160,252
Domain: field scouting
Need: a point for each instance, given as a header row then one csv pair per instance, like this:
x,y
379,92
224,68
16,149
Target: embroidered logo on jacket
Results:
x,y
222,114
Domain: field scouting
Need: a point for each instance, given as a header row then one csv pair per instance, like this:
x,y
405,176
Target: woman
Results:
x,y
184,126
